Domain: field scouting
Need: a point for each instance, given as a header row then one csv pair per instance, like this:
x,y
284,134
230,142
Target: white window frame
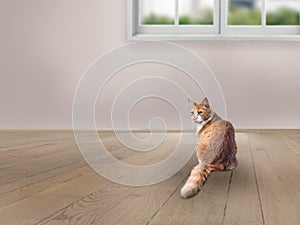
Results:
x,y
218,31
182,29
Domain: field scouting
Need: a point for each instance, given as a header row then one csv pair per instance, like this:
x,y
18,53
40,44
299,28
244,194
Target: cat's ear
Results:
x,y
190,101
205,103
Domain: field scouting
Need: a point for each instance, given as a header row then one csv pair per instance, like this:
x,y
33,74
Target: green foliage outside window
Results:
x,y
206,17
283,16
153,19
243,17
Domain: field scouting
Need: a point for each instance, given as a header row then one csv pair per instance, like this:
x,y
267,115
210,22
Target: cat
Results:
x,y
216,149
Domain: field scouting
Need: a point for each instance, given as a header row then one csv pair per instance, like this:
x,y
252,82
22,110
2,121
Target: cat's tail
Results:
x,y
195,181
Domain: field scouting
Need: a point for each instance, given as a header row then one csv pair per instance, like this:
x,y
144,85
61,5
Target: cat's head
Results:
x,y
200,112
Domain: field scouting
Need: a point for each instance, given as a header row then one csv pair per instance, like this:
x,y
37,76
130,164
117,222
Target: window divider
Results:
x,y
222,16
176,13
264,14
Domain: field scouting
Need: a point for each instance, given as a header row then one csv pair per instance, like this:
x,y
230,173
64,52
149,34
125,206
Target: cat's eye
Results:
x,y
200,112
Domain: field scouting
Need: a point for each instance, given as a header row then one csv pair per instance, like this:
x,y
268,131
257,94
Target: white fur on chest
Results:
x,y
198,128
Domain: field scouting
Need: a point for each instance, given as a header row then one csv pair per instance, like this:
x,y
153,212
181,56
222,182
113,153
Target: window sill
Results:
x,y
194,37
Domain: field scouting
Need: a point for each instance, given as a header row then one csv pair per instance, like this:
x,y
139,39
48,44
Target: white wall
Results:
x,y
45,46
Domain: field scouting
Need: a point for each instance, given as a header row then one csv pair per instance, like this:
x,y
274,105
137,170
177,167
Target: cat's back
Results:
x,y
223,125
218,127
217,143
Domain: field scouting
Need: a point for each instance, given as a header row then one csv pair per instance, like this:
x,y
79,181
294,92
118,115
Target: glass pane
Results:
x,y
157,12
196,12
244,12
283,12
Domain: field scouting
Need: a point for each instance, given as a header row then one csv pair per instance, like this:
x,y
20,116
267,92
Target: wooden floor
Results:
x,y
44,180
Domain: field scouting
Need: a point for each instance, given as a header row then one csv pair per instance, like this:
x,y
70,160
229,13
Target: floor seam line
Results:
x,y
165,202
227,197
258,192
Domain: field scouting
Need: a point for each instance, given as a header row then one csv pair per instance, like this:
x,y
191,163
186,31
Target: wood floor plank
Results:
x,y
25,188
137,158
116,205
126,173
243,204
205,208
278,179
35,166
43,204
29,180
17,142
153,196
90,207
33,152
140,207
291,142
294,134
50,183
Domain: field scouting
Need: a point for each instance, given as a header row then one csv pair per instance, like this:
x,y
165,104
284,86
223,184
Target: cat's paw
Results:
x,y
189,190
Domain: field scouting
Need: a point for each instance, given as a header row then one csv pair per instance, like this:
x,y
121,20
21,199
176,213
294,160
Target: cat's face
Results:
x,y
200,112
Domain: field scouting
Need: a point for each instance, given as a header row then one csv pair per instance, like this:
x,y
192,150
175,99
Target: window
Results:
x,y
214,19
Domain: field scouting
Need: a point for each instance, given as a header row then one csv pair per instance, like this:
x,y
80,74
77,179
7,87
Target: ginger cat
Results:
x,y
216,149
